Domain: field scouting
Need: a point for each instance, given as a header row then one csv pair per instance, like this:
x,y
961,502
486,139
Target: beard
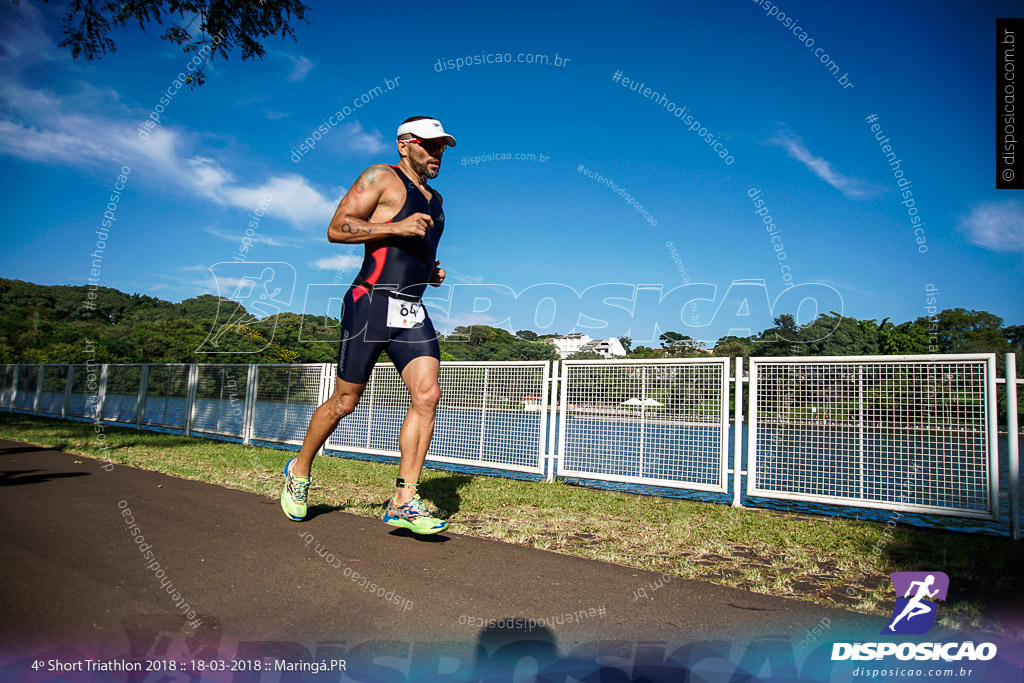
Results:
x,y
426,171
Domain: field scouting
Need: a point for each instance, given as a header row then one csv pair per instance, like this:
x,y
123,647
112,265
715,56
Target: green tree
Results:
x,y
642,352
481,342
733,346
834,335
905,338
585,355
678,345
1015,336
207,28
962,331
670,338
779,340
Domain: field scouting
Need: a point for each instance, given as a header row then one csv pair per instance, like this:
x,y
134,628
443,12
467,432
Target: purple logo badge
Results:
x,y
916,593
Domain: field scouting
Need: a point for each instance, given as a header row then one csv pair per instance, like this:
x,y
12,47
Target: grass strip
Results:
x,y
831,561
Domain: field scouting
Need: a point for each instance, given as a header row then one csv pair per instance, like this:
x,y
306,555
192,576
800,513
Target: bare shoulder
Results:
x,y
376,185
392,192
377,174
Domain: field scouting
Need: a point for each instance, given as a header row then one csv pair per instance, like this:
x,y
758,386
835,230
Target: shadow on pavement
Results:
x,y
426,538
21,449
19,477
314,511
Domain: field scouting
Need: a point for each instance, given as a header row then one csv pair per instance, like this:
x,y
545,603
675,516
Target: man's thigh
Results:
x,y
421,375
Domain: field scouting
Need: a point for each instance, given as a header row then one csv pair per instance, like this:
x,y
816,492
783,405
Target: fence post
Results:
x,y
40,382
369,406
563,410
860,429
737,435
101,392
546,435
190,397
751,424
14,388
39,389
65,405
140,401
249,412
643,417
554,424
483,415
326,391
1012,439
993,435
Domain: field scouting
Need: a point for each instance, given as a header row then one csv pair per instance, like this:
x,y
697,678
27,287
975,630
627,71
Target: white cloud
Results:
x,y
290,197
258,238
835,284
48,127
301,67
853,188
466,279
90,141
998,226
359,140
338,262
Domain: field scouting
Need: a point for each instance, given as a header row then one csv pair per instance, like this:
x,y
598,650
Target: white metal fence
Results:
x,y
490,414
283,400
121,393
911,433
898,432
662,422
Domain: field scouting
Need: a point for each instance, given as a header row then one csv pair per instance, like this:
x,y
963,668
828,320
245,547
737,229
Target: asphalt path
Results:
x,y
75,582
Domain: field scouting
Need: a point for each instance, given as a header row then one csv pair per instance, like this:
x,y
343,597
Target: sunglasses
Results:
x,y
429,146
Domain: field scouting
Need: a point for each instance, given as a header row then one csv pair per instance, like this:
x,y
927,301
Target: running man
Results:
x,y
914,606
392,211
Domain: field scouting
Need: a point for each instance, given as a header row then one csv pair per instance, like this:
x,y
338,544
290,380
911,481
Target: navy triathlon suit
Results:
x,y
394,273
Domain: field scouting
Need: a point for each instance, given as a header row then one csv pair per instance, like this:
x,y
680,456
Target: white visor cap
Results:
x,y
426,129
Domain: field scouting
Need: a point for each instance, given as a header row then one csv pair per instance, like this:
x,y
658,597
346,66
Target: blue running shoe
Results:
x,y
293,498
414,517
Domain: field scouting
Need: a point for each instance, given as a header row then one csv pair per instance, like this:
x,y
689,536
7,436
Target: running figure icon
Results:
x,y
915,607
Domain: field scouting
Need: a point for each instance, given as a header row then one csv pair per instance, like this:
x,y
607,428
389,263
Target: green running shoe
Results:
x,y
413,516
293,498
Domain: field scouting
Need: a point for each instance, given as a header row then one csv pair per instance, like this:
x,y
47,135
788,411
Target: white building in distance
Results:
x,y
609,348
577,342
570,343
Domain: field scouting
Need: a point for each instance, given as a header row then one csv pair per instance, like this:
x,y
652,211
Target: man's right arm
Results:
x,y
349,225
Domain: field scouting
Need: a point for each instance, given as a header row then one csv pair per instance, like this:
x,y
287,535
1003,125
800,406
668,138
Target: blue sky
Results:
x,y
525,233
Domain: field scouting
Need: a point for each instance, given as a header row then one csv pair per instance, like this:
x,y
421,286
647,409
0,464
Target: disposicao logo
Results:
x,y
914,614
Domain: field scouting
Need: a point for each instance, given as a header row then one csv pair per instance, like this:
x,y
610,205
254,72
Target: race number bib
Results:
x,y
405,314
